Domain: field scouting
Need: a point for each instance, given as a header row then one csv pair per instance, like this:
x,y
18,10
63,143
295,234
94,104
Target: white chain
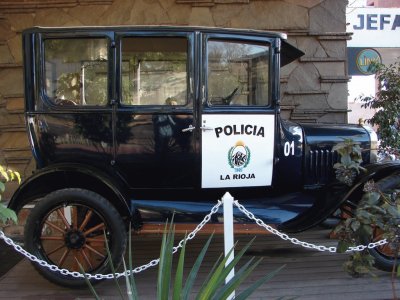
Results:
x,y
295,241
190,236
75,274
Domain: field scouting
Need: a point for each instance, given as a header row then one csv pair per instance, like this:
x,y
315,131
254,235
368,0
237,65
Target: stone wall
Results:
x,y
314,88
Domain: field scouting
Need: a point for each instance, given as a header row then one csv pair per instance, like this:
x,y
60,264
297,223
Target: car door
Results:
x,y
156,104
72,111
237,113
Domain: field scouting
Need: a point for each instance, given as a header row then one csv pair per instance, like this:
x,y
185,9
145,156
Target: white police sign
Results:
x,y
238,151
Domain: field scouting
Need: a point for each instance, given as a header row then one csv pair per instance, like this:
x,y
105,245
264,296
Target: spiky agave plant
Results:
x,y
213,287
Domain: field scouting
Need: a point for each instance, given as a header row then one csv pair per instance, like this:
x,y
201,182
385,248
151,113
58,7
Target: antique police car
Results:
x,y
135,124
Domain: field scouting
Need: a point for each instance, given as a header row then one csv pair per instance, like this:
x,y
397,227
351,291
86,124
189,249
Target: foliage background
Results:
x,y
387,105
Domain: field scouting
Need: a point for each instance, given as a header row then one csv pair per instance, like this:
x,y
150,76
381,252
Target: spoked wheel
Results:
x,y
71,228
385,255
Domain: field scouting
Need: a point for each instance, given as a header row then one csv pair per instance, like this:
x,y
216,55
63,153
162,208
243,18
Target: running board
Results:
x,y
243,229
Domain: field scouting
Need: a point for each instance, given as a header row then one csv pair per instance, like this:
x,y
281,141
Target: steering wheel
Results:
x,y
65,102
228,99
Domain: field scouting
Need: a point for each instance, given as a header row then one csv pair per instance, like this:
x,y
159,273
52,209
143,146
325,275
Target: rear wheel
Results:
x,y
385,255
71,228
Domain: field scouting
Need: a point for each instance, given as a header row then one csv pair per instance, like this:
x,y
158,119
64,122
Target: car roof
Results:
x,y
162,28
289,53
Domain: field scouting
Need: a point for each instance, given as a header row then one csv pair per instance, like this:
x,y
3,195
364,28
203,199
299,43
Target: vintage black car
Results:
x,y
135,124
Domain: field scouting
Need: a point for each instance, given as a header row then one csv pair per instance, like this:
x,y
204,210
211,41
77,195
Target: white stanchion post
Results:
x,y
227,200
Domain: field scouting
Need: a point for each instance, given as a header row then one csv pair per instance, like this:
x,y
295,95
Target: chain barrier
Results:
x,y
126,273
295,241
190,236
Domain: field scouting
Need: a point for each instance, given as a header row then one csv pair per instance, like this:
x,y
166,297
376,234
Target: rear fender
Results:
x,y
63,176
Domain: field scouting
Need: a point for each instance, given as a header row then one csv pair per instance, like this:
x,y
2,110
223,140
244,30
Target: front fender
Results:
x,y
333,196
62,176
374,172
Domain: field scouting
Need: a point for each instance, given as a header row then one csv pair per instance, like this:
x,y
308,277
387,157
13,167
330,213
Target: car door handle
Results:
x,y
190,128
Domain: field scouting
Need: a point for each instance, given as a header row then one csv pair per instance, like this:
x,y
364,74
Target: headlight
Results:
x,y
374,143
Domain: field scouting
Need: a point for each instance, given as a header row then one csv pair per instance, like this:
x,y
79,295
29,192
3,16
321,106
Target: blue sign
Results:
x,y
360,59
365,58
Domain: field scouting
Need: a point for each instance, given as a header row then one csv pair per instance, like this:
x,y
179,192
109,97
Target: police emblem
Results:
x,y
239,156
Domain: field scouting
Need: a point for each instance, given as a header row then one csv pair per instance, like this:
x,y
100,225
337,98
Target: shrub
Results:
x,y
7,175
386,102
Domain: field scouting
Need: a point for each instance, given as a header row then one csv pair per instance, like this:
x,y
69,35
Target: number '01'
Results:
x,y
288,148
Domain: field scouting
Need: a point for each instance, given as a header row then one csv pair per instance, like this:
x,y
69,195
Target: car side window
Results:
x,y
154,70
76,71
237,73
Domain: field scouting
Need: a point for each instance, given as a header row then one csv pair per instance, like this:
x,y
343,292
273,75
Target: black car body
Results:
x,y
165,120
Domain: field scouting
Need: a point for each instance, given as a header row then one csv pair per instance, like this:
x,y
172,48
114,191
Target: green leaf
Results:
x,y
91,288
364,216
160,264
381,211
165,264
7,214
212,271
14,174
235,281
11,175
339,228
355,225
247,292
129,292
371,198
343,246
8,174
194,271
221,273
131,277
380,223
214,281
3,173
179,273
337,165
112,266
361,269
365,231
345,160
392,211
18,177
2,187
239,277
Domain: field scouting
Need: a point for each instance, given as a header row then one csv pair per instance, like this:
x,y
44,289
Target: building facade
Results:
x,y
314,88
374,25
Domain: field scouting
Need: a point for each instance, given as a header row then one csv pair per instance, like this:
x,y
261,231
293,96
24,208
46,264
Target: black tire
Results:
x,y
384,255
68,226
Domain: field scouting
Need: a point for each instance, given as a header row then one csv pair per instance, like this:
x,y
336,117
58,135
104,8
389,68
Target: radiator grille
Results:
x,y
319,167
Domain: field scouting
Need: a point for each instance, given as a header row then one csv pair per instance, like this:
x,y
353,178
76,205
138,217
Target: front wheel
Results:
x,y
71,228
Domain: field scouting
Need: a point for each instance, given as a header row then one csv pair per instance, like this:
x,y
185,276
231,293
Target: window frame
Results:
x,y
49,101
269,42
189,36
